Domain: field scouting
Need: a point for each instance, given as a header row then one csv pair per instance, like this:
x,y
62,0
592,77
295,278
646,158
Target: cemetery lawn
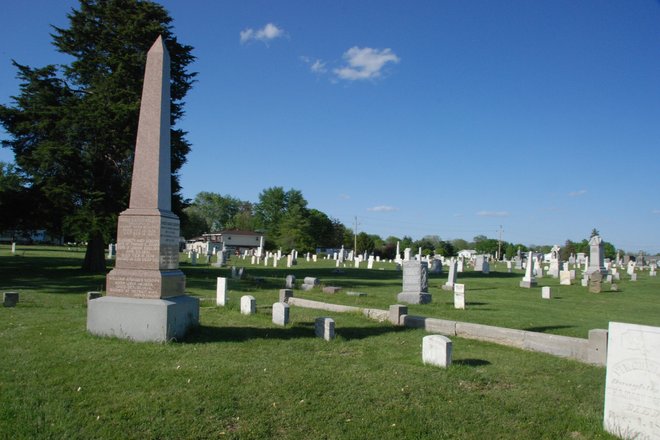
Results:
x,y
243,377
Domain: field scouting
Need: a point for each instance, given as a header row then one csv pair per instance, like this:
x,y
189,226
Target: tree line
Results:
x,y
288,223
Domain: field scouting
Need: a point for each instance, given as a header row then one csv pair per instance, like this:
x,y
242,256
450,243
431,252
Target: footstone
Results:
x,y
349,293
459,296
248,305
565,278
280,313
10,299
436,350
324,328
311,281
285,294
546,293
221,291
633,277
290,282
396,311
632,383
331,289
306,287
138,319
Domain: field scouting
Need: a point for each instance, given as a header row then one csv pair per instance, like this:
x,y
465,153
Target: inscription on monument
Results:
x,y
632,384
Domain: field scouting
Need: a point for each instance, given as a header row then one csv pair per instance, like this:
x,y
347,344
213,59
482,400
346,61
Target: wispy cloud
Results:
x,y
344,196
577,193
365,63
655,211
382,208
493,213
265,34
317,66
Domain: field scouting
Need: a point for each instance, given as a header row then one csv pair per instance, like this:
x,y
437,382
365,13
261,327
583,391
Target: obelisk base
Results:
x,y
143,320
414,298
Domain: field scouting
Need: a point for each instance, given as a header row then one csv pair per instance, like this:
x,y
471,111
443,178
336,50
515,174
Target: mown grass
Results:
x,y
242,377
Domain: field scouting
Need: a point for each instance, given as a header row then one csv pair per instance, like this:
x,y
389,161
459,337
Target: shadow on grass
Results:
x,y
543,329
207,334
471,362
488,275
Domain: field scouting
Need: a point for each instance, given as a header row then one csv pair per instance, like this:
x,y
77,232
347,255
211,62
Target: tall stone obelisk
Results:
x,y
145,291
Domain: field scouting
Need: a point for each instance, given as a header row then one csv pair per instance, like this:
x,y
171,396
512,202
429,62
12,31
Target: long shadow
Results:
x,y
207,334
543,329
470,362
489,275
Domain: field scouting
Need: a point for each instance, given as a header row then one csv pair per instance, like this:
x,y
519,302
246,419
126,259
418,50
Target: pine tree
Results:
x,y
73,127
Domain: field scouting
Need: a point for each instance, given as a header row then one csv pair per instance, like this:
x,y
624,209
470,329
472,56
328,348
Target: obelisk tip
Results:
x,y
159,45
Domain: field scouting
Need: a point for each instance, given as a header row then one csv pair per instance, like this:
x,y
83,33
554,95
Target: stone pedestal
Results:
x,y
138,319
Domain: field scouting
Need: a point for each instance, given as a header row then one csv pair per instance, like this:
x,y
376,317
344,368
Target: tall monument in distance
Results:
x,y
145,291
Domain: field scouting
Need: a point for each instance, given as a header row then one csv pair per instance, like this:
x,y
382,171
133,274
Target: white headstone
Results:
x,y
248,305
565,278
436,350
280,313
632,382
546,293
459,296
221,291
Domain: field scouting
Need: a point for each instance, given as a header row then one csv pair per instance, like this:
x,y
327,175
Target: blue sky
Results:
x,y
436,117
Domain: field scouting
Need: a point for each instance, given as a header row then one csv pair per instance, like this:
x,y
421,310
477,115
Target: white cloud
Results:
x,y
382,208
265,34
656,211
493,213
316,66
365,63
577,193
344,196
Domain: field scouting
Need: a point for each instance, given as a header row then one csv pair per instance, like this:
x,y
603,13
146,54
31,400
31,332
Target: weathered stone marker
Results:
x,y
459,296
632,382
436,350
145,298
280,313
10,299
415,283
248,305
221,291
285,294
325,328
546,293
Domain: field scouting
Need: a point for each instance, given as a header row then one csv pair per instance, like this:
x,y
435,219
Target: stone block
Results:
x,y
396,311
528,284
324,328
413,298
221,291
311,281
290,282
437,350
331,289
10,299
597,353
143,320
285,294
350,293
280,313
546,293
248,305
306,287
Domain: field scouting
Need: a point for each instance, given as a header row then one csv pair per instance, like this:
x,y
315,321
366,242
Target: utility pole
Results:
x,y
355,238
499,245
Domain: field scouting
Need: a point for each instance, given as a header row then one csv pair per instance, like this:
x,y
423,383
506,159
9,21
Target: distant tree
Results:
x,y
321,229
364,243
17,201
460,244
293,230
73,129
594,232
486,245
446,249
406,242
217,211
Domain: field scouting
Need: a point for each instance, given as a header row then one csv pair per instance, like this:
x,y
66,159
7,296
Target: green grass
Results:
x,y
242,377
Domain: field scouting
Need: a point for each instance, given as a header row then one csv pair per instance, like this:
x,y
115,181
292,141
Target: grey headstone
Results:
x,y
248,305
10,299
437,350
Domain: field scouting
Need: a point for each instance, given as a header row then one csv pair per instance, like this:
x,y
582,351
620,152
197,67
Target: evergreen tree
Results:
x,y
73,128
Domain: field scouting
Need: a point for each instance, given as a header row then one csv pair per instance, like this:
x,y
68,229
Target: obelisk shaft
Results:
x,y
151,186
147,264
